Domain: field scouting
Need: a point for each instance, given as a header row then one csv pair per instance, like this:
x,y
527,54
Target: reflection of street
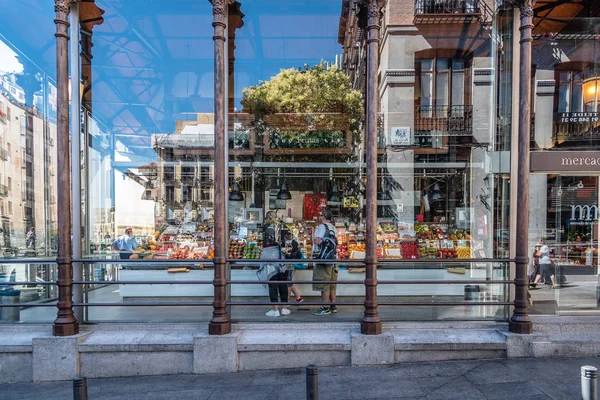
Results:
x,y
577,295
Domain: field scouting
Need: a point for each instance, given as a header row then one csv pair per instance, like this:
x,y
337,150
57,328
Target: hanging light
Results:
x,y
235,194
284,193
335,195
590,90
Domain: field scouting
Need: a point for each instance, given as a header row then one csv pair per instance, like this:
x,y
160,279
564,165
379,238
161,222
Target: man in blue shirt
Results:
x,y
126,244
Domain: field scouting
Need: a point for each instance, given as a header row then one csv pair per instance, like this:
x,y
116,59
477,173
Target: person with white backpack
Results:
x,y
325,248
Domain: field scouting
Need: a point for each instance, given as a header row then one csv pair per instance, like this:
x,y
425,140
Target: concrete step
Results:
x,y
447,344
277,348
566,344
572,324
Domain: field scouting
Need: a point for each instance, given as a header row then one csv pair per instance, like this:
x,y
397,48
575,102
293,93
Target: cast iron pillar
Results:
x,y
520,321
371,323
65,323
220,324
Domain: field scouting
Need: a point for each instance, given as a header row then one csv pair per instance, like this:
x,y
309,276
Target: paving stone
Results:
x,y
492,372
510,390
180,395
460,389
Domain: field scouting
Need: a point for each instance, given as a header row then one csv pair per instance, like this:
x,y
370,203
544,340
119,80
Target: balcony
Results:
x,y
3,190
451,11
453,120
3,154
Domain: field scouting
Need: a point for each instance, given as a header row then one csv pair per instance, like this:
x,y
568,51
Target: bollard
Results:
x,y
80,388
589,383
312,382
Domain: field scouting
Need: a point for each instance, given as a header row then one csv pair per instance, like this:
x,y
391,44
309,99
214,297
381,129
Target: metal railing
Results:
x,y
444,118
447,7
232,262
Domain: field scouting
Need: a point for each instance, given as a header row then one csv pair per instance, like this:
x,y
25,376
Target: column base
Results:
x,y
524,326
370,327
219,328
68,329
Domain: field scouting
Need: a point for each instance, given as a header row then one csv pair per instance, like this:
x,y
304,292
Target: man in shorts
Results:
x,y
324,272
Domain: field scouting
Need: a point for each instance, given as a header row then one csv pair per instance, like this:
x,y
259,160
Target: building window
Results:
x,y
9,183
442,85
10,207
570,93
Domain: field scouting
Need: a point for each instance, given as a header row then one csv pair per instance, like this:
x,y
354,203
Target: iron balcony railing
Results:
x,y
3,154
3,190
447,7
444,118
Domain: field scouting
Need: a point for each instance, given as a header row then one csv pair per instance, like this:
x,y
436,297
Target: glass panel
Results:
x,y
458,88
441,65
295,121
441,89
565,246
27,159
149,116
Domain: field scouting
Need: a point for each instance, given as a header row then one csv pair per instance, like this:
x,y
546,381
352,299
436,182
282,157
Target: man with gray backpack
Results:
x,y
325,248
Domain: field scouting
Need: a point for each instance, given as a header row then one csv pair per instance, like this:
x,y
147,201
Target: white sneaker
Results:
x,y
273,313
285,311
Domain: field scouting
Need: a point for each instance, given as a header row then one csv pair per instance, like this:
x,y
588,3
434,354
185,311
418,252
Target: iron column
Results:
x,y
65,323
520,321
371,323
220,324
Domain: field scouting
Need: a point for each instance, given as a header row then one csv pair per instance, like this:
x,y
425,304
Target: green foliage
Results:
x,y
311,107
316,89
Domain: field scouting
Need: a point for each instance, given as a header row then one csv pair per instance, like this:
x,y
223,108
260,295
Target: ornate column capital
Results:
x,y
63,5
219,6
526,8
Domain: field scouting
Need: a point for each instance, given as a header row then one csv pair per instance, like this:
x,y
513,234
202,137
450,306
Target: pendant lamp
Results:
x,y
284,193
235,194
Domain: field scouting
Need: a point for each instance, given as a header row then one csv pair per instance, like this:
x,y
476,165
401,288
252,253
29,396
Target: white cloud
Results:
x,y
8,60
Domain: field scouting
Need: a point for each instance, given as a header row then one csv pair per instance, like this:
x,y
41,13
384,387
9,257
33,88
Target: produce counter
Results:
x,y
257,290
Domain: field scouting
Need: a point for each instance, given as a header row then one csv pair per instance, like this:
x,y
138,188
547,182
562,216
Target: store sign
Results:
x,y
584,213
577,117
307,141
400,136
565,161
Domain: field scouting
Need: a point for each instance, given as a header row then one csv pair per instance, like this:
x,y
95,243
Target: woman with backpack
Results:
x,y
278,292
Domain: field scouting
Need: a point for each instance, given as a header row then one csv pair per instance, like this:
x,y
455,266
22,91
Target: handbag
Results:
x,y
301,265
266,272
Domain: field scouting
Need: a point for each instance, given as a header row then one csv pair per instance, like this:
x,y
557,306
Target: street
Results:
x,y
556,378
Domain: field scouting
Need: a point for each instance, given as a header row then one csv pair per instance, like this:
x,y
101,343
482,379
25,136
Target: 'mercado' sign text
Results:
x,y
565,161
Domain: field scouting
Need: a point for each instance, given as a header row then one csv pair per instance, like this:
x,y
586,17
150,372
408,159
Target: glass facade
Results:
x,y
564,140
296,115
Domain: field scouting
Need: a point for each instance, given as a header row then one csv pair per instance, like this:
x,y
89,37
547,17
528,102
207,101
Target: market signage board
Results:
x,y
565,161
306,142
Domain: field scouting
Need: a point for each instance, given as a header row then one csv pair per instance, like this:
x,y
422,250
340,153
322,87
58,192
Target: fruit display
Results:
x,y
236,249
410,250
380,252
342,252
458,235
180,254
463,252
427,251
251,252
387,226
447,253
357,247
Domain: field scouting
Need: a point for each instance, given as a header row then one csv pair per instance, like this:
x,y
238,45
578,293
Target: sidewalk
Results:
x,y
557,378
